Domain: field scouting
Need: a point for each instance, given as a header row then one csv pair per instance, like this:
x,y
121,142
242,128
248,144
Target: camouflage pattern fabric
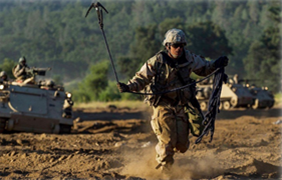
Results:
x,y
170,121
20,72
170,125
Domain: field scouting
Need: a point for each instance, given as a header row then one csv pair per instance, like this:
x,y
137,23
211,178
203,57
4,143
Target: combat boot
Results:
x,y
166,170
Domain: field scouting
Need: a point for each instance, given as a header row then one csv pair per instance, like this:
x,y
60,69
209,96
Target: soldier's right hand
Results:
x,y
122,87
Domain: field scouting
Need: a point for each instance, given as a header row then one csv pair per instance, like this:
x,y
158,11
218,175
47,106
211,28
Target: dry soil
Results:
x,y
117,143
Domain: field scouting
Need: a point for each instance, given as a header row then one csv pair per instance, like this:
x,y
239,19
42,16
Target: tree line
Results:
x,y
56,34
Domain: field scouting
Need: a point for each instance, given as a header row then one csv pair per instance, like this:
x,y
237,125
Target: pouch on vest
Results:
x,y
154,87
152,100
195,120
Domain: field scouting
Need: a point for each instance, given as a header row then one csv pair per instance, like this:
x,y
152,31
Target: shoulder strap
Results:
x,y
160,62
163,60
166,59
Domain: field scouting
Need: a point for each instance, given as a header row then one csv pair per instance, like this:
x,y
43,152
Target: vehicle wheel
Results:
x,y
220,106
226,105
271,105
203,106
2,125
65,129
234,102
256,104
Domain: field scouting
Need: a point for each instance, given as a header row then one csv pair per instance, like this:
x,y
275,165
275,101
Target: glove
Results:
x,y
222,61
123,87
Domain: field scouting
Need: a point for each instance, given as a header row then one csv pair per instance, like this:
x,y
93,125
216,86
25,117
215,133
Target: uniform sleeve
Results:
x,y
200,65
144,76
18,71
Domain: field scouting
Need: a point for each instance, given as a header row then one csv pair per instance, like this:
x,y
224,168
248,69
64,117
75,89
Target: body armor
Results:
x,y
170,75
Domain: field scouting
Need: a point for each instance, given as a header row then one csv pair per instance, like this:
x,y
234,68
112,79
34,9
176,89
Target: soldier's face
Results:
x,y
176,49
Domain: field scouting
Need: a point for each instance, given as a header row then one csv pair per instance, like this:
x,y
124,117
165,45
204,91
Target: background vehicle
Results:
x,y
40,107
263,98
232,95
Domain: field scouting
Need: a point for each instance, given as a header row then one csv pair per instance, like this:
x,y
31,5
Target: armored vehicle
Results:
x,y
39,107
232,95
263,98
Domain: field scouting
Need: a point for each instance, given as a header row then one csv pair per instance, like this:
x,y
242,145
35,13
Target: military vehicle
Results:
x,y
263,98
39,107
233,95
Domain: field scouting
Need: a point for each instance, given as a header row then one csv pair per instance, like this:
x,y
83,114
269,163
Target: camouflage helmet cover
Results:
x,y
174,36
22,59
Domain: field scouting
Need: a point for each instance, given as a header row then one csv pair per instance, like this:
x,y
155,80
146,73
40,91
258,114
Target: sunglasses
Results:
x,y
177,45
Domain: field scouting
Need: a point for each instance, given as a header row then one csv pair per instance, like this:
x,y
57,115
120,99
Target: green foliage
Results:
x,y
278,98
7,66
170,23
263,61
80,95
208,40
93,84
110,93
57,79
128,66
197,36
145,44
143,48
56,34
130,96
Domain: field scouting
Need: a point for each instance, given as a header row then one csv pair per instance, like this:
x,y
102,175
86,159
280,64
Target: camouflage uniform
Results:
x,y
165,71
20,71
169,120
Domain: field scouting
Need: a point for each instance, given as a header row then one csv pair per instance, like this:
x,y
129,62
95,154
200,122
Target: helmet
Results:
x,y
22,59
3,73
174,36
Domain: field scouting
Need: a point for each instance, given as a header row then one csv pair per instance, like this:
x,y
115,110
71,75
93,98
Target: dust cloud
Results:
x,y
141,163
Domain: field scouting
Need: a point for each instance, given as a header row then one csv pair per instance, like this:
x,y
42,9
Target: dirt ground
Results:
x,y
119,144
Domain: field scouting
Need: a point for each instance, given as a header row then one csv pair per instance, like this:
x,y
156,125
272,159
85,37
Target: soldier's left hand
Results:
x,y
222,61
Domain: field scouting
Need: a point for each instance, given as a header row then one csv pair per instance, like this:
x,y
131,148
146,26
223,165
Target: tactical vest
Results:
x,y
185,97
170,75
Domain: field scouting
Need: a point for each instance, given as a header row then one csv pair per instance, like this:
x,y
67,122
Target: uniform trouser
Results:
x,y
170,125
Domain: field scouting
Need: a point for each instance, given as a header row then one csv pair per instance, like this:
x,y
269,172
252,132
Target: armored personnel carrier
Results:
x,y
233,95
39,107
263,98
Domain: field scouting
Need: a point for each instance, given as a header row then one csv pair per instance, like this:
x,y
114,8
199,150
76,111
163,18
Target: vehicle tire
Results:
x,y
203,106
271,105
65,129
234,102
220,106
226,105
2,125
256,104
